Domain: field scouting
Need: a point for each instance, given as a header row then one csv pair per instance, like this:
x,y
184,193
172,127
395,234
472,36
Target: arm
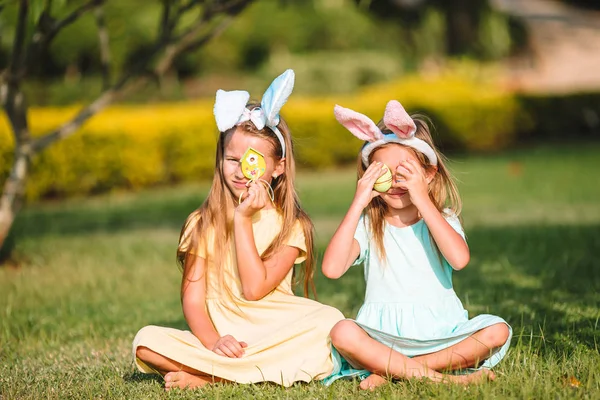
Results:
x,y
258,277
337,259
451,244
343,249
193,300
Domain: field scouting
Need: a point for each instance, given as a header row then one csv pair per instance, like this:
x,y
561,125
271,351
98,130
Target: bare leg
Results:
x,y
362,351
175,374
186,380
469,352
372,381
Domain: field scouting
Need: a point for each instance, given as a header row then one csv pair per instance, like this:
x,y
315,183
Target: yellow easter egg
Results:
x,y
384,182
253,164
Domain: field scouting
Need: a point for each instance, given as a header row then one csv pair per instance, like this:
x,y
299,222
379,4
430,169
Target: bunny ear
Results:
x,y
276,96
358,124
398,121
229,107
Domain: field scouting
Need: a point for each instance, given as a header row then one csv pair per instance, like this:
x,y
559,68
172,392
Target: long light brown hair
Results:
x,y
442,188
216,213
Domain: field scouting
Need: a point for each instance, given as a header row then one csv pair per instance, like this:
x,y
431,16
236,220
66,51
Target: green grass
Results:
x,y
94,271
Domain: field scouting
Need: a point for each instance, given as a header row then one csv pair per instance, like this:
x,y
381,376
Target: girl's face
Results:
x,y
236,145
392,155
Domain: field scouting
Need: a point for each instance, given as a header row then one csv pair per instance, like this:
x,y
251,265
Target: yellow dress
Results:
x,y
287,335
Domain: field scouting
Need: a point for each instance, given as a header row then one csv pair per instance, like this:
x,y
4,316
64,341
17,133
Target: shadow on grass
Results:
x,y
543,280
174,323
74,219
137,377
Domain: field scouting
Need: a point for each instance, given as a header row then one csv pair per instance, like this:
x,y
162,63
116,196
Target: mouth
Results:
x,y
396,194
239,184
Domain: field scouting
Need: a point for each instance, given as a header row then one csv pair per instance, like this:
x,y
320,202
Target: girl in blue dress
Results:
x,y
403,226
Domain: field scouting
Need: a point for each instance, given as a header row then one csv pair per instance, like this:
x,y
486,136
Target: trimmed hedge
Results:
x,y
562,117
145,145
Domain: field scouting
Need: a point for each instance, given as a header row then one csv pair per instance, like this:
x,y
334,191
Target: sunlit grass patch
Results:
x,y
95,271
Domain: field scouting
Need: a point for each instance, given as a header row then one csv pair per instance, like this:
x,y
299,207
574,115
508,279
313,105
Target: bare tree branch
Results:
x,y
185,8
101,102
190,40
70,127
47,28
105,98
3,91
104,46
166,25
175,48
210,35
164,38
13,100
169,23
69,19
232,8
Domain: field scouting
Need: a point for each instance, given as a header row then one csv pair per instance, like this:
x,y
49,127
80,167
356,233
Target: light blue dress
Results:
x,y
410,304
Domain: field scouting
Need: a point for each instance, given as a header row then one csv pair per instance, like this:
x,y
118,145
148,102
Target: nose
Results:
x,y
238,172
398,177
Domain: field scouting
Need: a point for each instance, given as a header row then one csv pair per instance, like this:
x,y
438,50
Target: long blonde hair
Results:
x,y
442,188
211,216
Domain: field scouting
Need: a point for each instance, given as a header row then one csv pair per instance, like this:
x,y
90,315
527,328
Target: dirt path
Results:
x,y
565,44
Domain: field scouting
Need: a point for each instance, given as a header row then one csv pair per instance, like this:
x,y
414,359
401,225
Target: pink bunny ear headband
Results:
x,y
395,118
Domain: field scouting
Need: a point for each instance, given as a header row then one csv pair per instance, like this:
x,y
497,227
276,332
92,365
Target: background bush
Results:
x,y
139,146
562,117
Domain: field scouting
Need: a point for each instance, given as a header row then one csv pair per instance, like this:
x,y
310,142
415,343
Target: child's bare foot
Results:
x,y
372,381
185,380
481,376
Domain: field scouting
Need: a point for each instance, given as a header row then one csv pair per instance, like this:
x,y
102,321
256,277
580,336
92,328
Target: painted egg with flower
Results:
x,y
253,164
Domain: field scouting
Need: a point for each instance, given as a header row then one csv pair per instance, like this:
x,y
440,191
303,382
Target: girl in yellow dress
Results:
x,y
238,252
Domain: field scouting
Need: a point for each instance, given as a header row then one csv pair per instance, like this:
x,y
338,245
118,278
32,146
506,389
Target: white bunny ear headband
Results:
x,y
395,118
230,107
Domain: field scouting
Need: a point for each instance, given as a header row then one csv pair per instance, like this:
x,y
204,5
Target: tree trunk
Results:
x,y
13,191
462,25
12,98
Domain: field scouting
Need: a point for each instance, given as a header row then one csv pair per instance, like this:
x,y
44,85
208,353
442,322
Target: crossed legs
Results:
x,y
175,374
362,351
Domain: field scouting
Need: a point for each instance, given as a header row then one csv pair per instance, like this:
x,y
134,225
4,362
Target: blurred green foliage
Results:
x,y
471,28
140,146
337,44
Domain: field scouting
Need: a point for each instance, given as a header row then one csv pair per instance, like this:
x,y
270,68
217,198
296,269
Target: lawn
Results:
x,y
93,271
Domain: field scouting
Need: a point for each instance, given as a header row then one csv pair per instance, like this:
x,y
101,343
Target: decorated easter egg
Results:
x,y
253,164
384,182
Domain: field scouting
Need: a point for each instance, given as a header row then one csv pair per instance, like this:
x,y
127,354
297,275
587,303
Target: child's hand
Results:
x,y
412,178
364,187
227,346
255,200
